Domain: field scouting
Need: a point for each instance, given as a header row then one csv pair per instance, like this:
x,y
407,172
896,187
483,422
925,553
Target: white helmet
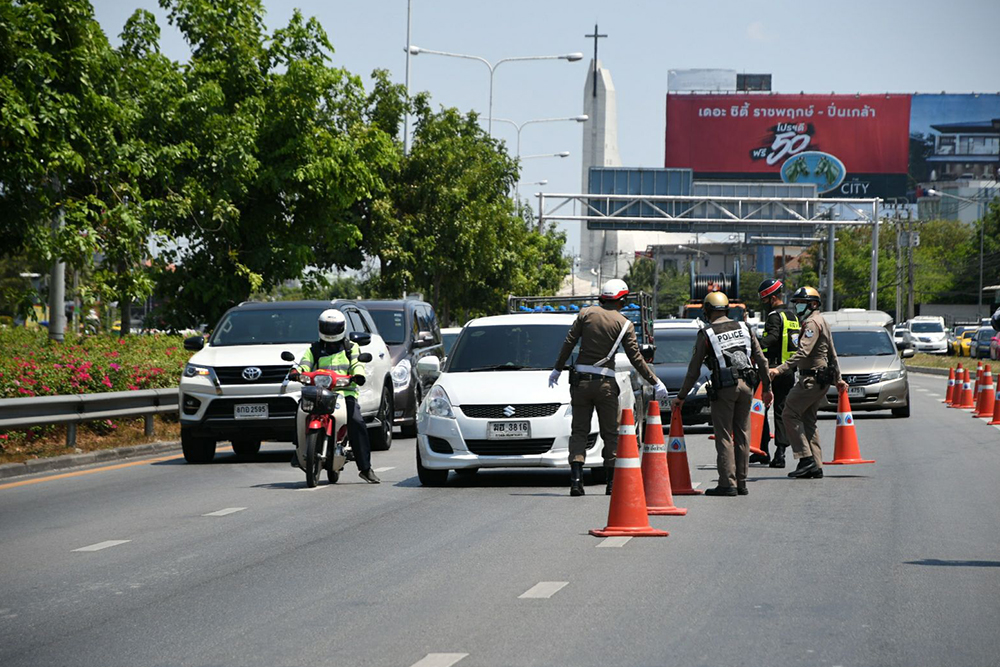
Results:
x,y
613,290
332,326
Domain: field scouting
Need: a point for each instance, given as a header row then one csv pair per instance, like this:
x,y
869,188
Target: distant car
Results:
x,y
963,341
954,345
448,337
674,346
410,328
903,338
995,347
979,343
874,372
930,334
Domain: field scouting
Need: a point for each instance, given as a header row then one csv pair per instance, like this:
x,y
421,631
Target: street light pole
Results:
x,y
582,118
569,57
406,111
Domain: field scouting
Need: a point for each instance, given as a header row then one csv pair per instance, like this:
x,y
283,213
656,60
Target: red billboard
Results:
x,y
849,145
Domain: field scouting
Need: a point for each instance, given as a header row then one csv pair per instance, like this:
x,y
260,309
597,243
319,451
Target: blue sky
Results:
x,y
846,47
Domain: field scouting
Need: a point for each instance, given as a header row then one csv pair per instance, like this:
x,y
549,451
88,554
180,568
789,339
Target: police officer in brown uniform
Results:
x,y
735,360
593,383
816,362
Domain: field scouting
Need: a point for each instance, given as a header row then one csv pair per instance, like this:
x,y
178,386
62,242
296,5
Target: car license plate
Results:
x,y
251,411
508,430
855,392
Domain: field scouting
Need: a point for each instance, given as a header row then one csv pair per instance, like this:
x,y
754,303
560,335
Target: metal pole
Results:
x,y
57,279
831,241
517,158
656,281
489,123
911,307
406,111
899,271
982,229
873,294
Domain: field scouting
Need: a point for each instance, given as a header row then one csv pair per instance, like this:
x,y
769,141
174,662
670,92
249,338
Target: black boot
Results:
x,y
741,489
726,491
369,476
762,459
807,468
610,474
779,457
576,478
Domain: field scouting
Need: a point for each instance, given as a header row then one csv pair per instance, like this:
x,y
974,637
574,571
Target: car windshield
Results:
x,y
674,346
899,333
862,343
448,340
985,335
267,327
926,327
512,347
391,325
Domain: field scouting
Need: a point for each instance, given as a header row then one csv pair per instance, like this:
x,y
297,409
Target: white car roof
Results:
x,y
678,324
521,319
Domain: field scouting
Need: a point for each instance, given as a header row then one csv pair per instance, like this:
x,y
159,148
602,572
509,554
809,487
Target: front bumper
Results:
x,y
404,404
879,396
207,413
437,435
940,347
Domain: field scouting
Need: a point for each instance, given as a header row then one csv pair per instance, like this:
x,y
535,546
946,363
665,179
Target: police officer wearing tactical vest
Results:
x,y
592,382
817,366
735,360
333,351
781,335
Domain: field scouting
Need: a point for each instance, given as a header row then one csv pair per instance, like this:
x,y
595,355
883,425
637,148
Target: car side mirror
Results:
x,y
423,339
908,353
194,343
647,351
362,338
429,368
365,357
287,356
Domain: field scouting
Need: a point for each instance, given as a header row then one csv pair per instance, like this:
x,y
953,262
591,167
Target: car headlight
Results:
x,y
893,375
400,374
193,370
437,404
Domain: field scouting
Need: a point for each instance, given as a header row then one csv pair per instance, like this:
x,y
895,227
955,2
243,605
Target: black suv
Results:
x,y
410,329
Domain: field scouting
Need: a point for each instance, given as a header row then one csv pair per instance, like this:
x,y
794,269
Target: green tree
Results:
x,y
674,285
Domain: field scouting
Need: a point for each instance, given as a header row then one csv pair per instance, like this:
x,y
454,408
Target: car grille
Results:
x,y
510,447
862,380
521,410
234,374
277,407
439,445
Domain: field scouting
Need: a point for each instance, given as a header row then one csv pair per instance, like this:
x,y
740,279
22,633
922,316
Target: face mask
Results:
x,y
801,309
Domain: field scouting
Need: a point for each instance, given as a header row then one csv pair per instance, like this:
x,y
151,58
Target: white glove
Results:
x,y
554,378
661,391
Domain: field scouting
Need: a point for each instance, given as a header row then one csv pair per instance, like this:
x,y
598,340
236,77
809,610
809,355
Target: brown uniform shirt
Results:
x,y
703,350
815,348
597,328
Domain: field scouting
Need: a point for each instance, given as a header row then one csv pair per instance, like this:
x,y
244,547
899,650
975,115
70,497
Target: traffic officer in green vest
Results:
x,y
818,368
333,351
732,354
781,337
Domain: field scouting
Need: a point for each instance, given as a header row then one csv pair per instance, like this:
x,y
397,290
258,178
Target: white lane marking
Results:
x,y
440,659
543,589
103,545
613,542
224,512
385,469
935,395
922,389
696,485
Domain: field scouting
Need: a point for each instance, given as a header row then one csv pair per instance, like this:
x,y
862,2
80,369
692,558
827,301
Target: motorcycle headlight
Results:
x,y
400,374
893,375
307,405
323,381
437,403
192,370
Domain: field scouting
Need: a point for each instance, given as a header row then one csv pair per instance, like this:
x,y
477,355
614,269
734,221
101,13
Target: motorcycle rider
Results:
x,y
333,351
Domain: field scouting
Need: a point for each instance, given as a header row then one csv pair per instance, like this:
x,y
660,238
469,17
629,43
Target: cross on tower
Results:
x,y
596,37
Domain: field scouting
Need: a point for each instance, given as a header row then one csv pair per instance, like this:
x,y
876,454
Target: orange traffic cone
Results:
x,y
963,392
677,458
655,476
846,450
977,383
987,397
956,395
627,514
996,413
951,386
757,422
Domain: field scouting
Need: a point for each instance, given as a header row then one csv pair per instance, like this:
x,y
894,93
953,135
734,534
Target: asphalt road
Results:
x,y
896,563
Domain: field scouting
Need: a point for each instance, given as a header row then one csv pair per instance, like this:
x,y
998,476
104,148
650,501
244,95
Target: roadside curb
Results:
x,y
78,460
927,370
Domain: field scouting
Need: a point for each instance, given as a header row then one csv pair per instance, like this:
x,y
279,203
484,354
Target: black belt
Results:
x,y
595,376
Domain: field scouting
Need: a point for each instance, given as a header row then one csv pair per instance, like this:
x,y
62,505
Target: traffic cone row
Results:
x,y
963,397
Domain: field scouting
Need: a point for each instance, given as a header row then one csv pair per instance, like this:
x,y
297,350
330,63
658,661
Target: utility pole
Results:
x,y
831,243
899,269
910,307
406,113
57,277
656,281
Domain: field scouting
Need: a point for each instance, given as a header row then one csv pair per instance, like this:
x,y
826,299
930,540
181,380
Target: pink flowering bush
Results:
x,y
31,365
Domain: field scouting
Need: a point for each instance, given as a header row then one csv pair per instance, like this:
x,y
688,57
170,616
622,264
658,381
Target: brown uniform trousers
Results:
x,y
585,397
799,418
731,424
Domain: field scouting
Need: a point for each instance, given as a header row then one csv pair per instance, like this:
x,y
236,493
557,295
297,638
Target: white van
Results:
x,y
929,334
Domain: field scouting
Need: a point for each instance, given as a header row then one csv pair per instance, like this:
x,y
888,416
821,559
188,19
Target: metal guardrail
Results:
x,y
75,409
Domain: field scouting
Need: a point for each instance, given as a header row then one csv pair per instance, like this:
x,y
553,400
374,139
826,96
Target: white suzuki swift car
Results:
x,y
492,407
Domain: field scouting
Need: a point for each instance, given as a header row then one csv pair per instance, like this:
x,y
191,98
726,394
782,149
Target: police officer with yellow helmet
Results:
x,y
780,340
815,360
733,355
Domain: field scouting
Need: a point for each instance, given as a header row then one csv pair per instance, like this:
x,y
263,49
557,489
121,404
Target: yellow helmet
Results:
x,y
715,301
806,294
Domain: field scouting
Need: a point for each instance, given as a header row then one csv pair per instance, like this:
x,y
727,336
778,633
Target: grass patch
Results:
x,y
120,433
944,361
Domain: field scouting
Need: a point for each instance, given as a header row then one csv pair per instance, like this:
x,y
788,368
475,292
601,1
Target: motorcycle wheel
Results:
x,y
314,465
331,474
